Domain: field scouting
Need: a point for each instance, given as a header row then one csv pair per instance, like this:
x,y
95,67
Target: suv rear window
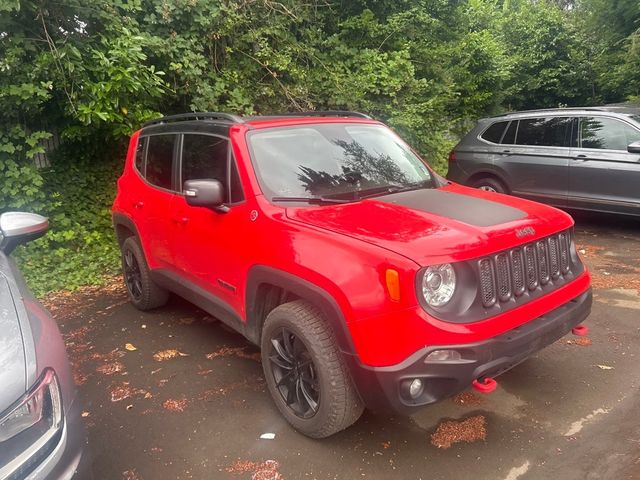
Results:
x,y
494,133
544,132
159,160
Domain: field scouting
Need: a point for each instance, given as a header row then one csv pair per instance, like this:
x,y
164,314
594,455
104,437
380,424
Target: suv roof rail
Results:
x,y
322,113
556,109
226,117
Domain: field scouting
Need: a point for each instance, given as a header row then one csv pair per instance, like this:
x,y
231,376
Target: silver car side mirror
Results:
x,y
20,227
634,147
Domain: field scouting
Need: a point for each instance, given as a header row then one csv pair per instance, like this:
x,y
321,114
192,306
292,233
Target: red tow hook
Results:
x,y
487,385
580,330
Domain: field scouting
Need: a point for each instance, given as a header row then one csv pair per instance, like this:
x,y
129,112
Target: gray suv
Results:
x,y
577,158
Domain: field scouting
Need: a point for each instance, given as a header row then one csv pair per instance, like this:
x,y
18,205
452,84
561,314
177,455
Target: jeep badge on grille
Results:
x,y
525,232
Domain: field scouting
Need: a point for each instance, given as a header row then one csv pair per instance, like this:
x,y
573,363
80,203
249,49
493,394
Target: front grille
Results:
x,y
511,273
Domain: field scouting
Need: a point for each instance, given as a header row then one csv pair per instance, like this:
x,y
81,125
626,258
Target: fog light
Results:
x,y
415,388
443,356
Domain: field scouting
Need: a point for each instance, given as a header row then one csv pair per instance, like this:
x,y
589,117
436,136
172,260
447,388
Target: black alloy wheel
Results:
x,y
143,292
294,373
132,275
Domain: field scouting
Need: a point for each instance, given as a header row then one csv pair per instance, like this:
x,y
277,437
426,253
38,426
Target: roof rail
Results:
x,y
552,109
226,117
322,113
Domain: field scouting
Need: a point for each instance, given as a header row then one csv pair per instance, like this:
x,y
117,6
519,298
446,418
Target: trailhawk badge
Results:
x,y
525,232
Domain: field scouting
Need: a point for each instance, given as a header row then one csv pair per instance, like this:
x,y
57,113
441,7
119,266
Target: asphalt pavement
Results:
x,y
174,394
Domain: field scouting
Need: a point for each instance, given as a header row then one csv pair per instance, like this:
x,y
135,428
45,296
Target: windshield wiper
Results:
x,y
389,189
310,200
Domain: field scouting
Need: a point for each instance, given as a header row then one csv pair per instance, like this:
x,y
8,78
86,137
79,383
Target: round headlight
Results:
x,y
438,284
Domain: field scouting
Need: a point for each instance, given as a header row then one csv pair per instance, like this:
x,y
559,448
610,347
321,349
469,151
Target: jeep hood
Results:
x,y
428,226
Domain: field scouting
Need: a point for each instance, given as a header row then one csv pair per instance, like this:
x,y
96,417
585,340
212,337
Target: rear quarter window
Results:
x,y
494,133
140,154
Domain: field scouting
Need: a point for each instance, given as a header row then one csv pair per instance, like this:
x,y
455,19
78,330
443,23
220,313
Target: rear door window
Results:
x,y
160,160
494,133
544,132
208,157
606,133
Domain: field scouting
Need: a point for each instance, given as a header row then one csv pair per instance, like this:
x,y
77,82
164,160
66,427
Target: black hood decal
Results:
x,y
463,208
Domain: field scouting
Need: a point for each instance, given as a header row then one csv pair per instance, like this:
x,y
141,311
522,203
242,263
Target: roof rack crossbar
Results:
x,y
322,113
227,117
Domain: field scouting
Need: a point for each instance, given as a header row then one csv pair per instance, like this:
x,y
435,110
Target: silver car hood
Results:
x,y
13,370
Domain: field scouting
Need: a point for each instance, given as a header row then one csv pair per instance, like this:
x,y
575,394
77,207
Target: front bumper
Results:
x,y
384,388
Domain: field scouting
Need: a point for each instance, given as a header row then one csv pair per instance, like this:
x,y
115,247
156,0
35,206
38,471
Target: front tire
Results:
x,y
143,292
305,372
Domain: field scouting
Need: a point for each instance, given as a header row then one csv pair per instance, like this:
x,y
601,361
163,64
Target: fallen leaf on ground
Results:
x,y
386,445
267,470
168,354
130,475
233,351
110,368
79,378
582,342
123,390
604,367
175,405
130,347
469,430
85,414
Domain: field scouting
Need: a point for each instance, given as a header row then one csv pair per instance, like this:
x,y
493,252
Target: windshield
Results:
x,y
333,159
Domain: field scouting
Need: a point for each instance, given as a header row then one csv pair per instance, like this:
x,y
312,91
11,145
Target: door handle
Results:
x,y
181,220
138,204
581,157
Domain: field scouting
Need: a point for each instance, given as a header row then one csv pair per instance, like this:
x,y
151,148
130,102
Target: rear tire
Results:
x,y
143,292
305,372
490,184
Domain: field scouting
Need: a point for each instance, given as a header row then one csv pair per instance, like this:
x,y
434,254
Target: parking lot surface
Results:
x,y
175,394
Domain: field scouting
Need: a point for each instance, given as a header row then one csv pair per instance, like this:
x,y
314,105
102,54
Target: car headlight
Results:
x,y
31,424
438,284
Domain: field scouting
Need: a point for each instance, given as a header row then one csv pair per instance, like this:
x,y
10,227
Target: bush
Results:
x,y
80,247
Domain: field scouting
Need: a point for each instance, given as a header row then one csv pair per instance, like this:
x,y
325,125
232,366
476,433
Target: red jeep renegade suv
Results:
x,y
365,278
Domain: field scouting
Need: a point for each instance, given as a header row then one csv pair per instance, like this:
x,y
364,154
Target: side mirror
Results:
x,y
17,228
205,193
634,147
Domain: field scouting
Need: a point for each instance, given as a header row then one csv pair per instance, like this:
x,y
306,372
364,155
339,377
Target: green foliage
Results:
x,y
91,72
80,247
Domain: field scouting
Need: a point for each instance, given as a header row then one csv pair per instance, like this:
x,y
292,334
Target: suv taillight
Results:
x,y
452,156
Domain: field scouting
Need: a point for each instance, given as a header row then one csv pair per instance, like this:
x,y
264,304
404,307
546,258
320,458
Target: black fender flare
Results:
x,y
122,219
261,274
